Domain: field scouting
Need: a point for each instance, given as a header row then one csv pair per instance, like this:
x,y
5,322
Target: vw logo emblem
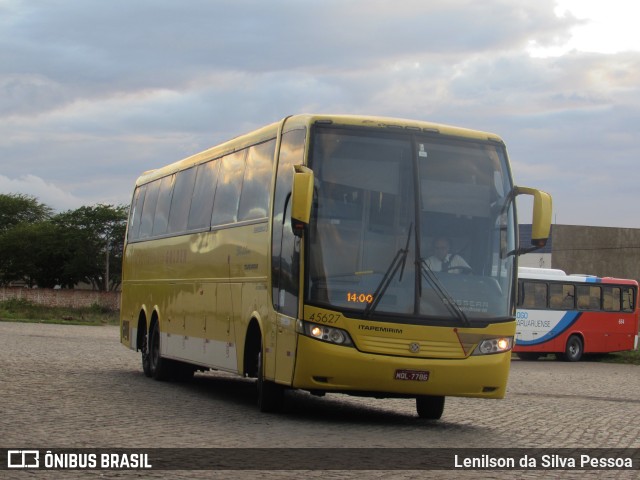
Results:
x,y
414,347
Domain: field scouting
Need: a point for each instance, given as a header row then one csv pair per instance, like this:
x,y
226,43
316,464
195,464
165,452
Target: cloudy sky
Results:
x,y
94,92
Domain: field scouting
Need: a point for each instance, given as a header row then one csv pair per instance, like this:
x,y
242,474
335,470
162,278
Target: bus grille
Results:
x,y
403,347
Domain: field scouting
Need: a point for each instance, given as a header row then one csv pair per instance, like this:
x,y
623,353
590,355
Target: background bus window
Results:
x,y
161,219
533,295
562,297
149,209
611,299
225,205
628,299
588,297
181,201
203,193
254,200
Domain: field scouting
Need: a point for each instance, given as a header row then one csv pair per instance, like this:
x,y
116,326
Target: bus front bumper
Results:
x,y
325,367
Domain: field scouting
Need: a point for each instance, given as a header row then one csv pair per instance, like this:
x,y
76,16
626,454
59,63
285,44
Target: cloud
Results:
x,y
93,93
45,192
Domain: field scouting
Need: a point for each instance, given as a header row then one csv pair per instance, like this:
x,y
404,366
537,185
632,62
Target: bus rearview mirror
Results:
x,y
541,220
302,198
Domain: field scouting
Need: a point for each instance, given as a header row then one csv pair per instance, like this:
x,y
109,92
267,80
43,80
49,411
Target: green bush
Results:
x,y
18,309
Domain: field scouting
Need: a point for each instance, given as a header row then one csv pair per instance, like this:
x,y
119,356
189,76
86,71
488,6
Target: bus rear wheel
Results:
x,y
430,407
160,368
146,357
573,351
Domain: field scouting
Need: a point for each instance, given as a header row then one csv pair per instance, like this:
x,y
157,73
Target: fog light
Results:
x,y
336,336
486,347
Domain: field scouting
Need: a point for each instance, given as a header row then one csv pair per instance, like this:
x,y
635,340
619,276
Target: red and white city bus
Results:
x,y
571,315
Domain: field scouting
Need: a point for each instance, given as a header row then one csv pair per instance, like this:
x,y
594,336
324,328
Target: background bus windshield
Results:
x,y
409,226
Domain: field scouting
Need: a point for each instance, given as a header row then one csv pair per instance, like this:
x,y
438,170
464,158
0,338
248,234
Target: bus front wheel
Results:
x,y
270,394
573,351
430,407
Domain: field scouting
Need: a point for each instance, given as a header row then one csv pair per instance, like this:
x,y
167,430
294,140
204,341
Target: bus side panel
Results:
x,y
256,306
543,330
128,318
608,331
547,331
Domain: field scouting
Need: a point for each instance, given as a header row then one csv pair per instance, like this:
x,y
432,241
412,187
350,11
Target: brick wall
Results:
x,y
62,298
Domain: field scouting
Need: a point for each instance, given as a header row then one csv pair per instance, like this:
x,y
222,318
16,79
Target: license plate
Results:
x,y
414,375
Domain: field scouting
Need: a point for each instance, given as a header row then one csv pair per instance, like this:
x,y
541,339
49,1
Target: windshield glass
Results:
x,y
412,227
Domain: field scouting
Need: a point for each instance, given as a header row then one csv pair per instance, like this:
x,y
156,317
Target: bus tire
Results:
x,y
270,394
146,357
159,367
430,407
573,351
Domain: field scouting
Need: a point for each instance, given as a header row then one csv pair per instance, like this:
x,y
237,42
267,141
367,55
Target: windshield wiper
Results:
x,y
398,262
446,298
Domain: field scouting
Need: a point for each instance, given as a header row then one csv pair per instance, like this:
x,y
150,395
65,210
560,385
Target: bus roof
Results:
x,y
560,275
306,120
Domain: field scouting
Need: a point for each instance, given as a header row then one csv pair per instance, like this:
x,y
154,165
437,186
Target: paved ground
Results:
x,y
77,387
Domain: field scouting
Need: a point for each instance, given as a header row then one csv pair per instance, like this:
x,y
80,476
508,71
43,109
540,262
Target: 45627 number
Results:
x,y
328,318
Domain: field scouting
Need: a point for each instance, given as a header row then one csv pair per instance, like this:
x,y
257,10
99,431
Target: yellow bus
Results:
x,y
303,254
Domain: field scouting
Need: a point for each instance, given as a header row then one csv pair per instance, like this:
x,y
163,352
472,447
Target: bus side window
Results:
x,y
285,245
568,297
617,299
254,200
541,295
583,298
136,211
161,220
561,296
595,298
203,193
611,299
181,200
534,295
628,300
225,205
589,297
149,209
520,300
555,296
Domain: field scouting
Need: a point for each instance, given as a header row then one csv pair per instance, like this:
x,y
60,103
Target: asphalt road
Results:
x,y
77,387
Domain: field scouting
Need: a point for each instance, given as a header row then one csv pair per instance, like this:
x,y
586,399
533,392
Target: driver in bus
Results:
x,y
444,261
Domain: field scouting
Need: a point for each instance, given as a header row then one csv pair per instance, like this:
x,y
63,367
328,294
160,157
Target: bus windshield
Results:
x,y
413,228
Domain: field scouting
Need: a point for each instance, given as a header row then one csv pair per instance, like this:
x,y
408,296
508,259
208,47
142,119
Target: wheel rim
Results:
x,y
574,348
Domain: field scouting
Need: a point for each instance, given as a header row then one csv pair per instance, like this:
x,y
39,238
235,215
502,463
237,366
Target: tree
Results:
x,y
83,245
17,208
20,235
36,253
98,237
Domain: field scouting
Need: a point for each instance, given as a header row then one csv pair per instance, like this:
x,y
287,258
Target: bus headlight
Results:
x,y
494,345
323,333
